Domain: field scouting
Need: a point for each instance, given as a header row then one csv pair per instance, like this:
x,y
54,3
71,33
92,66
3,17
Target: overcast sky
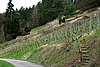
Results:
x,y
17,4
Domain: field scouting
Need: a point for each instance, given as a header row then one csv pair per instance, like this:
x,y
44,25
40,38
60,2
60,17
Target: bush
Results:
x,y
69,8
2,40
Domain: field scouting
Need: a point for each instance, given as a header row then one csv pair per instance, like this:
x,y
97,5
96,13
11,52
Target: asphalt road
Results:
x,y
20,63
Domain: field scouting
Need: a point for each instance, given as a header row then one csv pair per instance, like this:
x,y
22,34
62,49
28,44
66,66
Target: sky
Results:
x,y
17,4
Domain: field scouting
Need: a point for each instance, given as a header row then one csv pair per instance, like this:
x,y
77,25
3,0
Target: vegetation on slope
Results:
x,y
53,49
58,48
27,18
57,55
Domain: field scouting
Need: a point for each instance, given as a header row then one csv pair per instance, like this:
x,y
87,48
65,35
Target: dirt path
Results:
x,y
19,63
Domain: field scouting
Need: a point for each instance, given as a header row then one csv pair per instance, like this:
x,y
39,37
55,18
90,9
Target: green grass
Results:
x,y
5,64
39,29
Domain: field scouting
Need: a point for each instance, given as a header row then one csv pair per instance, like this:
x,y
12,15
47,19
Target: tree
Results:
x,y
11,22
69,8
48,10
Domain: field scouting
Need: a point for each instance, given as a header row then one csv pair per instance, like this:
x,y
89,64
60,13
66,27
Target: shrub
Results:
x,y
69,8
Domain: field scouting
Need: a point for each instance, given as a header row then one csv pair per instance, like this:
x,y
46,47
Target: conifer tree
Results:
x,y
11,22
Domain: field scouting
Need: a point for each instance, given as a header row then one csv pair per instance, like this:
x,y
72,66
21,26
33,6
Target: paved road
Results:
x,y
19,63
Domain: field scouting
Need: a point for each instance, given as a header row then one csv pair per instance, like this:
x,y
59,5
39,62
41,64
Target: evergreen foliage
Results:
x,y
11,22
94,3
25,14
69,8
50,10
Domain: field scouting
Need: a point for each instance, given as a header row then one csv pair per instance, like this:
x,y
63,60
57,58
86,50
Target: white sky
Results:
x,y
17,4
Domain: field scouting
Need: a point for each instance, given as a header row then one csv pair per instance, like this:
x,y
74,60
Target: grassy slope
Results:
x,y
56,53
52,49
58,56
5,64
27,50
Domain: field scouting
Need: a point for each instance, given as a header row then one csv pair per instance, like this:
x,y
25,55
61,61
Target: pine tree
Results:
x,y
69,8
49,10
11,22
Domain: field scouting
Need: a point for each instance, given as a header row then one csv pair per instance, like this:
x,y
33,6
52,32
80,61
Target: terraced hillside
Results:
x,y
58,45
